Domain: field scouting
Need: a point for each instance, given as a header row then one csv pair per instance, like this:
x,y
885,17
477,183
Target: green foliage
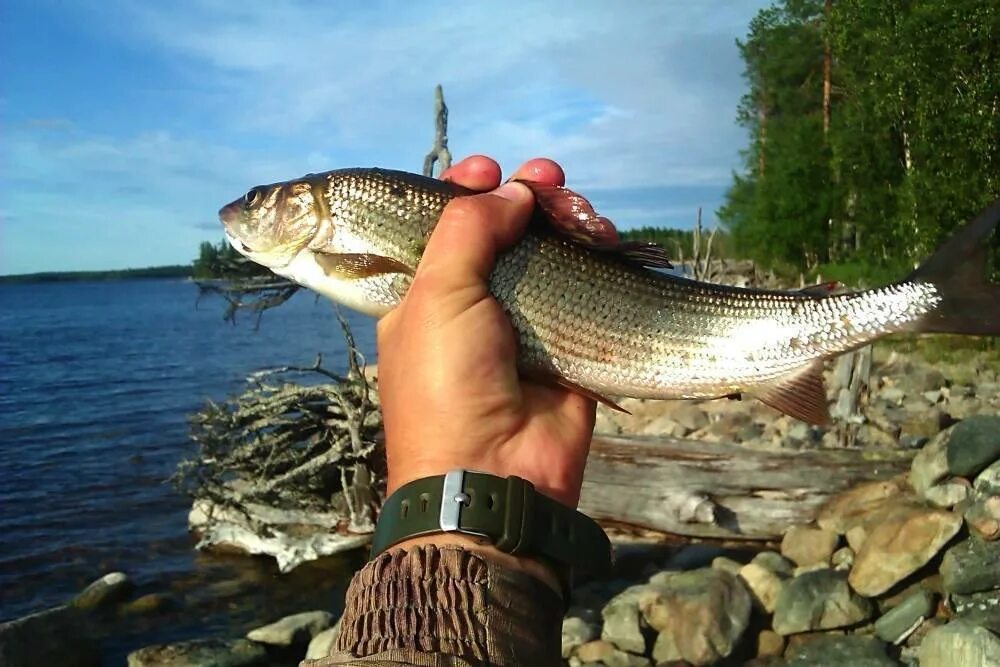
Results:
x,y
171,271
911,150
223,261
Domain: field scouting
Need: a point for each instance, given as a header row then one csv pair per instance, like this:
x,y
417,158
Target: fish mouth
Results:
x,y
239,245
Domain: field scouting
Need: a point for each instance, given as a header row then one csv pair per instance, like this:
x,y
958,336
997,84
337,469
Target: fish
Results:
x,y
603,317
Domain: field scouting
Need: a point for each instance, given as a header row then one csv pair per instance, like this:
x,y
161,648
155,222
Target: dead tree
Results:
x,y
439,152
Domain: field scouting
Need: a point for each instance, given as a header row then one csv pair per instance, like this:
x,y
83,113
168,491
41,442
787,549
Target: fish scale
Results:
x,y
595,318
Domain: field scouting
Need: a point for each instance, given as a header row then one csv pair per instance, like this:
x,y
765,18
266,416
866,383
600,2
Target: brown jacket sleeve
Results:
x,y
441,606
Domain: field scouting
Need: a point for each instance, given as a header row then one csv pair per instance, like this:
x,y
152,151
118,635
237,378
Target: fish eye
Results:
x,y
253,197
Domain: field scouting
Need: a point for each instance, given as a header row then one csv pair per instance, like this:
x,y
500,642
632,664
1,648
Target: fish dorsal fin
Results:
x,y
357,265
572,216
800,394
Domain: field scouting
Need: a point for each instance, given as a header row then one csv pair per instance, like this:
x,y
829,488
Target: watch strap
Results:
x,y
508,511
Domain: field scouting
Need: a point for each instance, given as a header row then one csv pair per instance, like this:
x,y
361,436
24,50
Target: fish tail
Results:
x,y
970,303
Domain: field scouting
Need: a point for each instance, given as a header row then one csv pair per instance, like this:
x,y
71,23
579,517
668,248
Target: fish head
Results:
x,y
272,224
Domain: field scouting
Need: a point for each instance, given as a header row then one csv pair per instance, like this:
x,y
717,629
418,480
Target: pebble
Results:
x,y
947,494
726,564
971,566
601,652
107,591
847,509
898,546
621,620
843,559
960,644
806,545
774,562
818,600
700,616
899,622
764,585
294,629
769,644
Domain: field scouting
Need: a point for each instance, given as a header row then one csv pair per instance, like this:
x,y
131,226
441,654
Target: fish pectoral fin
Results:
x,y
357,265
572,216
800,394
553,379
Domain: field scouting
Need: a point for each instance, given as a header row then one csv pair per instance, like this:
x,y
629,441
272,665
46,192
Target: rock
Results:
x,y
769,644
847,509
971,566
963,450
106,592
983,601
664,425
983,517
805,545
621,620
764,585
690,416
960,644
843,559
700,616
294,629
575,632
57,636
924,423
988,481
726,565
927,379
774,562
818,600
899,622
842,651
323,642
150,603
604,653
988,617
896,548
947,494
893,395
200,653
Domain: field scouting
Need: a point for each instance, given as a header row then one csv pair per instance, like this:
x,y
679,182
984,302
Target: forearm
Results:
x,y
449,604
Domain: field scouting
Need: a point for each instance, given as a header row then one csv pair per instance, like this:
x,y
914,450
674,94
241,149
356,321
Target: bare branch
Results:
x,y
439,151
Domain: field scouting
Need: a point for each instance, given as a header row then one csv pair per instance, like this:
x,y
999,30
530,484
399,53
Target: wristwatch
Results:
x,y
508,512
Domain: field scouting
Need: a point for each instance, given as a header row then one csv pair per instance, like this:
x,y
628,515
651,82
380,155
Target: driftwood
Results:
x,y
699,489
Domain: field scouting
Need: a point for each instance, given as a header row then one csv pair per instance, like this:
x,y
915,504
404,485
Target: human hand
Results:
x,y
450,391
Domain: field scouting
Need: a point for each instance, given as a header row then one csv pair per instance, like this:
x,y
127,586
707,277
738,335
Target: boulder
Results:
x,y
700,616
963,450
848,508
897,547
960,644
819,600
294,629
971,566
200,653
104,593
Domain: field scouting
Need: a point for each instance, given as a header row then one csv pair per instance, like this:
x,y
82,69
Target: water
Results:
x,y
96,382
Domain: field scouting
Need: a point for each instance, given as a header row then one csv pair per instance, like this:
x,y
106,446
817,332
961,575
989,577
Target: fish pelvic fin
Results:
x,y
970,304
800,394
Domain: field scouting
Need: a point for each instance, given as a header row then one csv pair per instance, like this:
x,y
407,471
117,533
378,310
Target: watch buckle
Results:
x,y
452,497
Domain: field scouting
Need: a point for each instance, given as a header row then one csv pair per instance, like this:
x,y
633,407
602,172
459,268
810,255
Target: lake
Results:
x,y
97,380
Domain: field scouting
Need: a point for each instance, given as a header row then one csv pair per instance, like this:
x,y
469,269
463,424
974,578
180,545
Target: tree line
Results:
x,y
874,129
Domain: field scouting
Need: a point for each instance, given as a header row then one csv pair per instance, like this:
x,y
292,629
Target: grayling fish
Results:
x,y
590,314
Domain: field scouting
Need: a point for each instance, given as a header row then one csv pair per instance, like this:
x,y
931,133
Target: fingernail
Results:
x,y
513,191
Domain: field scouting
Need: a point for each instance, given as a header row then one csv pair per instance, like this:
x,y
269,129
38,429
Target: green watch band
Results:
x,y
516,518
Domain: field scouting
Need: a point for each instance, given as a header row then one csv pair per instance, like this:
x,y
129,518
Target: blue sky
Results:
x,y
124,125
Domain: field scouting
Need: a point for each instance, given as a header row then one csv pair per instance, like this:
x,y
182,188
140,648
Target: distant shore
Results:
x,y
172,271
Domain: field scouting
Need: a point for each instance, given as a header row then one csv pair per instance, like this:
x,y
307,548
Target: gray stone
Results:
x,y
983,601
575,632
57,636
960,644
819,600
970,566
106,592
807,545
764,585
899,622
963,450
700,615
322,643
200,653
294,629
988,481
842,651
774,562
947,494
621,620
902,543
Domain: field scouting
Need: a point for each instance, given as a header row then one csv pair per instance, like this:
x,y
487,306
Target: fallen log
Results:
x,y
708,490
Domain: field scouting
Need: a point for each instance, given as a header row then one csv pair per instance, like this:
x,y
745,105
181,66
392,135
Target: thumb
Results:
x,y
472,230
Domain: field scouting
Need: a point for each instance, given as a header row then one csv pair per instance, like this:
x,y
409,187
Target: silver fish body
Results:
x,y
594,319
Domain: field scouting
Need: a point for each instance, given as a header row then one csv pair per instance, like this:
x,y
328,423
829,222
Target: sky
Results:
x,y
125,125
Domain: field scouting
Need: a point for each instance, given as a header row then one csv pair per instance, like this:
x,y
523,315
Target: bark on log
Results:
x,y
708,490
